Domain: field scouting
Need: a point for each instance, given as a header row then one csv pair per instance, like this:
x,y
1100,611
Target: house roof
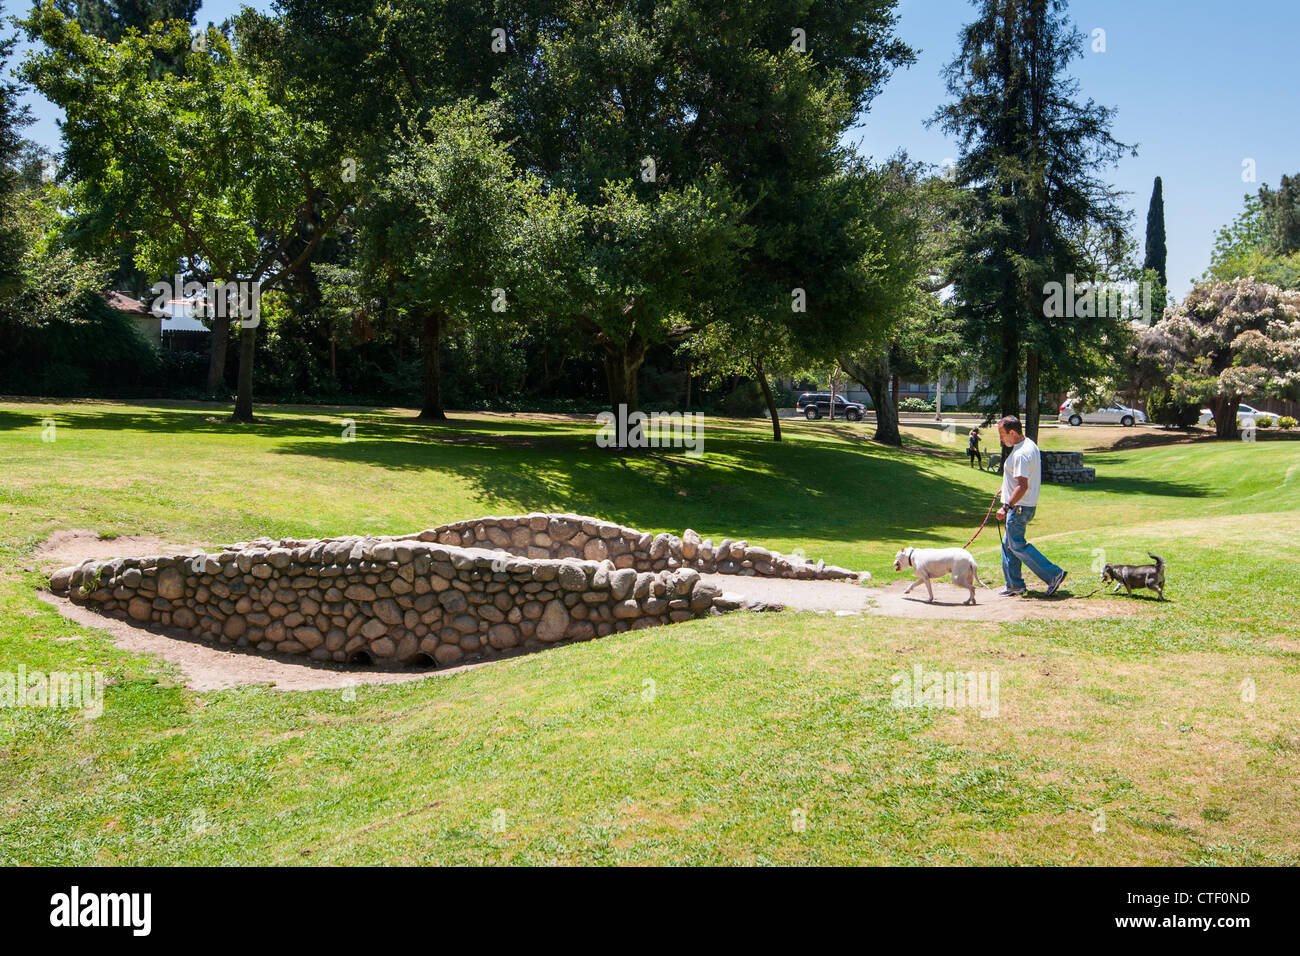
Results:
x,y
124,303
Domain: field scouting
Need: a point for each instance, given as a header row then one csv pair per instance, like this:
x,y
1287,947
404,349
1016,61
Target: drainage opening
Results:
x,y
361,658
421,662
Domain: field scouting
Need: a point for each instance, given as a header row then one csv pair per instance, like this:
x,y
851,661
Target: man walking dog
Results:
x,y
1022,474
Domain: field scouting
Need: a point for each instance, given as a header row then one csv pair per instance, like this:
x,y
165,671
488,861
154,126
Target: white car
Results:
x,y
1245,413
1109,415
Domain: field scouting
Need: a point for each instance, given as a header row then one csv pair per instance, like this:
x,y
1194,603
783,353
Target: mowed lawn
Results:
x,y
1176,725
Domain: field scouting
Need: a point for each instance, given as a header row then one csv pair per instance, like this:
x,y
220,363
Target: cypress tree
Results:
x,y
1157,253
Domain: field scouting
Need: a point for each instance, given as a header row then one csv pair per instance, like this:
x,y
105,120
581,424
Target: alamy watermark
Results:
x,y
656,430
952,690
1101,300
74,908
241,299
56,690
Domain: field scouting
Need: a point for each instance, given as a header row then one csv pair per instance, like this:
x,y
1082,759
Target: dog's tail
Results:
x,y
1160,562
976,571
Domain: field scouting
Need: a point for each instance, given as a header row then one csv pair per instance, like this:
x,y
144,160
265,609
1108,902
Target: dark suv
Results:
x,y
813,405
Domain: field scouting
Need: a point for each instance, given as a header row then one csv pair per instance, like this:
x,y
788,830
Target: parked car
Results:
x,y
1245,413
813,405
1109,415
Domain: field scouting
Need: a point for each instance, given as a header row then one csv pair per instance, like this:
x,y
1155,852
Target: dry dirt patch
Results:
x,y
65,548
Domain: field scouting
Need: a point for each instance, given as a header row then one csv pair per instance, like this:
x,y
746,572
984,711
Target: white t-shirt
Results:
x,y
1023,461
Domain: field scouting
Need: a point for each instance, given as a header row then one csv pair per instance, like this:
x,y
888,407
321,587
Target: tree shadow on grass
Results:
x,y
276,421
1133,485
742,487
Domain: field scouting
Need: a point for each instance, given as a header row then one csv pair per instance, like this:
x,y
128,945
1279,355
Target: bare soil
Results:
x,y
65,548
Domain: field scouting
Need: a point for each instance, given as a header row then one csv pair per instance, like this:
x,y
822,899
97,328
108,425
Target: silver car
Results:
x,y
1108,415
1245,413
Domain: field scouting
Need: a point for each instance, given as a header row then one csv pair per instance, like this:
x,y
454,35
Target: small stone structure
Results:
x,y
466,591
1066,468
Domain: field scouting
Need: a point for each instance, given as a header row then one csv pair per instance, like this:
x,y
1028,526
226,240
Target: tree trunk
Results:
x,y
217,353
1010,383
1225,417
1031,396
244,395
938,399
875,378
432,408
334,366
771,402
622,363
893,390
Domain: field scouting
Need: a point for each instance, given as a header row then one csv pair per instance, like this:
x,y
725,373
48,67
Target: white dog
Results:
x,y
935,563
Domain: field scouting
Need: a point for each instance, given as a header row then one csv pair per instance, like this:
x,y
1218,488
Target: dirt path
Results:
x,y
797,595
65,548
889,600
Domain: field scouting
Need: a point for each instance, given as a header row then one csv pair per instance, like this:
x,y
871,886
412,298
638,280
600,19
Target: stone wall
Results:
x,y
467,591
1066,468
579,536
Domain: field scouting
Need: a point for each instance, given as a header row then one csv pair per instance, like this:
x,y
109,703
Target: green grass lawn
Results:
x,y
698,743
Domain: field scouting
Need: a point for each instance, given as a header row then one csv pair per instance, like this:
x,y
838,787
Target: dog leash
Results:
x,y
988,515
985,521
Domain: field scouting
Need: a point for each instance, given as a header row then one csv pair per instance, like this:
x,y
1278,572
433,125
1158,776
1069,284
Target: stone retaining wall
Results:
x,y
579,536
466,591
1066,468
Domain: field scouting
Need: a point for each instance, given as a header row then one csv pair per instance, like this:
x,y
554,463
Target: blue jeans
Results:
x,y
1016,549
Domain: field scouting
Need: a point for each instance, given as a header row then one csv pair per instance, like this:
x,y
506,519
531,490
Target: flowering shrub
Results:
x,y
1225,341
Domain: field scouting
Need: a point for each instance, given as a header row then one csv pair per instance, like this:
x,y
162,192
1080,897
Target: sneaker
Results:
x,y
1012,592
1051,588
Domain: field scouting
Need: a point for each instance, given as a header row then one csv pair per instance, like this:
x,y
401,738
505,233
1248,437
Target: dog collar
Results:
x,y
909,557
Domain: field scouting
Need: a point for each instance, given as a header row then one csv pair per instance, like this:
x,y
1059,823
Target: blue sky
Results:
x,y
1199,85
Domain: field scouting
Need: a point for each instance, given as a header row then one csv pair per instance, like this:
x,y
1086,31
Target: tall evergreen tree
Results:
x,y
14,115
110,19
1030,154
1281,213
1157,254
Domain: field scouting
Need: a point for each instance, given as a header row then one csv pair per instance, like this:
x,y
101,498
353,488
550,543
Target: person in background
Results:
x,y
973,448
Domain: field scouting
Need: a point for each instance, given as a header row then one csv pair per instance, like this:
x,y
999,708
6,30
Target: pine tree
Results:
x,y
1157,253
111,19
1028,169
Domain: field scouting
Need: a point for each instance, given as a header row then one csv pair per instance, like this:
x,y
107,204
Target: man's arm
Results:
x,y
1022,486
